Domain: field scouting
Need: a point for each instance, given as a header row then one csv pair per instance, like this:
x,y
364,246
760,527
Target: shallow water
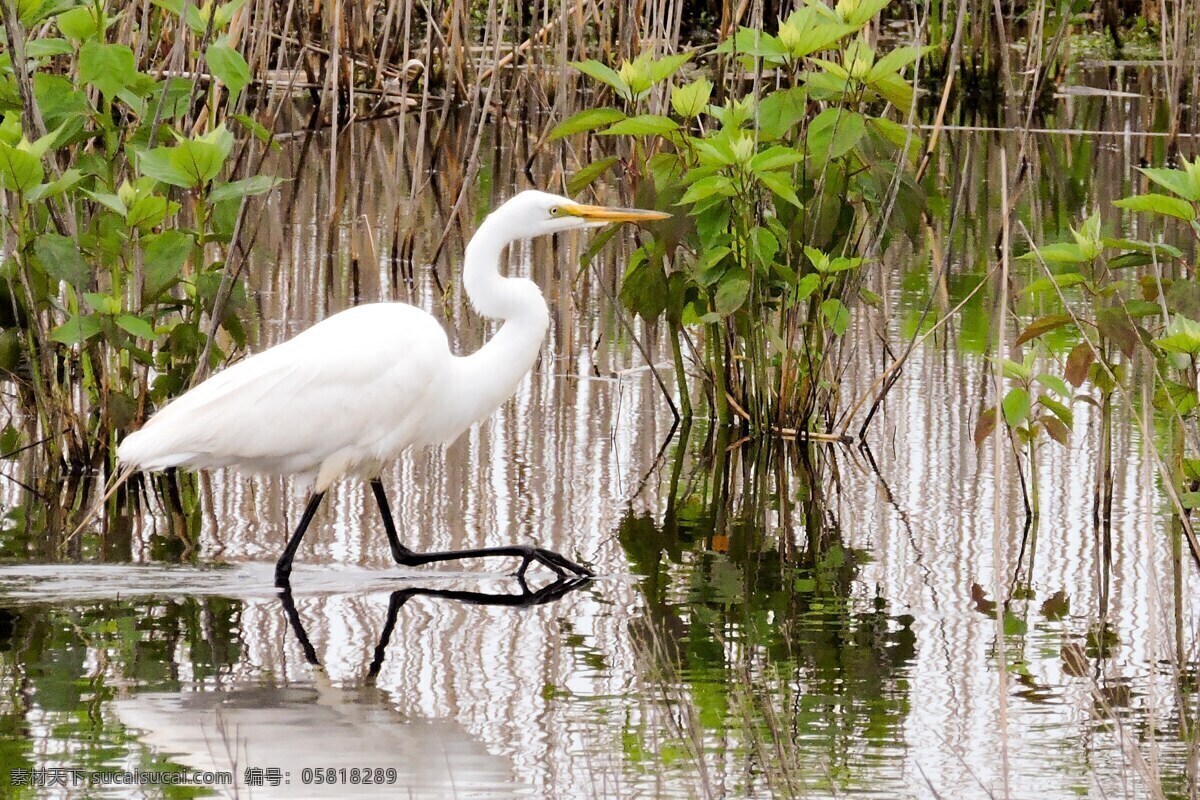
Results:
x,y
750,633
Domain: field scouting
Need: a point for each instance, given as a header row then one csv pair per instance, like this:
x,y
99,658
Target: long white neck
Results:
x,y
490,375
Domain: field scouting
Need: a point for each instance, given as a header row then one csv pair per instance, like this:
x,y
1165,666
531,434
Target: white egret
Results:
x,y
348,395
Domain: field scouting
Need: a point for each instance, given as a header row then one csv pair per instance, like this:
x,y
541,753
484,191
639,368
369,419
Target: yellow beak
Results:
x,y
603,215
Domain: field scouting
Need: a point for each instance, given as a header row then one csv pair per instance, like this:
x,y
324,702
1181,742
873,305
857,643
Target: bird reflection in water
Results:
x,y
362,731
527,597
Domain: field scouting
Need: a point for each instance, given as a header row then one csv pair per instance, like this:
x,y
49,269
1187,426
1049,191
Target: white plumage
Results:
x,y
352,392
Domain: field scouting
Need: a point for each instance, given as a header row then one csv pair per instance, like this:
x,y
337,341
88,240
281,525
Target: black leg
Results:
x,y
283,568
399,551
527,553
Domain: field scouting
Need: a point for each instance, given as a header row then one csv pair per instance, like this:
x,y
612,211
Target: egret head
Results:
x,y
533,213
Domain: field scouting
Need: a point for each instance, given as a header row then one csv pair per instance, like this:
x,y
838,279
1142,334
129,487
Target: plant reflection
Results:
x,y
753,612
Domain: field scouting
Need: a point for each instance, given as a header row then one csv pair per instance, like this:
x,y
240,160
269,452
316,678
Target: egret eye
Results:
x,y
554,211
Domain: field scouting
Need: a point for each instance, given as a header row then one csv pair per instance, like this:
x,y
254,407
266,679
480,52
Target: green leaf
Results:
x,y
1013,624
713,152
1054,383
1159,204
755,43
200,161
164,255
257,130
195,20
78,328
765,245
159,164
708,269
814,38
895,90
60,259
38,148
897,134
229,66
247,187
859,12
44,48
836,315
219,137
56,187
108,67
586,120
1161,249
732,293
1178,181
224,15
147,211
830,84
1183,336
665,66
642,125
1015,370
774,158
605,75
136,326
895,61
691,99
1058,253
780,184
20,171
1063,281
190,164
110,201
1059,410
779,112
1139,309
103,303
707,187
589,174
79,23
806,286
833,133
32,12
1015,406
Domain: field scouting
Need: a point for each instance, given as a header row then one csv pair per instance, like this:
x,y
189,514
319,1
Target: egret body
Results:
x,y
348,395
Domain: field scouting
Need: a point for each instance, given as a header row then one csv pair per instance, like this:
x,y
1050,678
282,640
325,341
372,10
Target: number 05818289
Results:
x,y
354,775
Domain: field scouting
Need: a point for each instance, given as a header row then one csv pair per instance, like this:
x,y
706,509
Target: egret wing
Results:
x,y
348,385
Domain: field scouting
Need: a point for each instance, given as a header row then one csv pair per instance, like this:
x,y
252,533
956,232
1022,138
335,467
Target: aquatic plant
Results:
x,y
1120,319
788,189
119,282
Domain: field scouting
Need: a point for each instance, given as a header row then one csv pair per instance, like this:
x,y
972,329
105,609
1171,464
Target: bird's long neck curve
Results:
x,y
490,375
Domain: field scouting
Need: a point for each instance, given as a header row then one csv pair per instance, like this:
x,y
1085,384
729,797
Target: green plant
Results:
x,y
1116,314
118,223
782,185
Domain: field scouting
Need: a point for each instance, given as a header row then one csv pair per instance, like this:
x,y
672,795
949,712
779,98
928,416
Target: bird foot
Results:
x,y
559,565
